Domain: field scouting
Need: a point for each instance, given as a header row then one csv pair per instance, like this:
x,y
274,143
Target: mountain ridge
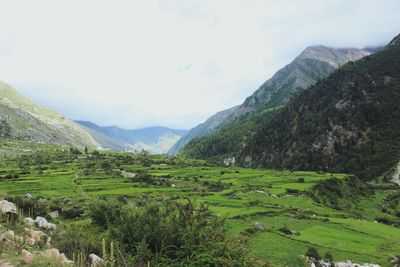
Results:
x,y
29,121
352,127
313,63
155,139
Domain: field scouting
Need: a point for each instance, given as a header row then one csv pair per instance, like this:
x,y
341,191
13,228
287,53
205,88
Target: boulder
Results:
x,y
29,221
43,223
26,257
7,207
54,214
28,195
96,260
36,235
65,260
9,235
259,226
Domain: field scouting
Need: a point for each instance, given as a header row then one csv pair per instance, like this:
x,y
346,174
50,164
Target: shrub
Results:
x,y
174,233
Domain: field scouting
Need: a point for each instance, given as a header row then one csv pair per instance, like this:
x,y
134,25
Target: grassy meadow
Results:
x,y
278,199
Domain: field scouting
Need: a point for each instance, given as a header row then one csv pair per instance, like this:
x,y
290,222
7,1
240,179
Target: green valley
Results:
x,y
289,205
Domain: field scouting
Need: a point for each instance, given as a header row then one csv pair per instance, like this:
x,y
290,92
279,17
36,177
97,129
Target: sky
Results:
x,y
172,63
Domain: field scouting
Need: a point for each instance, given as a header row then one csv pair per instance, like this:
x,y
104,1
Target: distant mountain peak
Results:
x,y
334,56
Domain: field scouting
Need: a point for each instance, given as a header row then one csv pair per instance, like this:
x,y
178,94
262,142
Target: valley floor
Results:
x,y
276,199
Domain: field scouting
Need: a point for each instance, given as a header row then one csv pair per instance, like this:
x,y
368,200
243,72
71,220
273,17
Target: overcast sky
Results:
x,y
171,63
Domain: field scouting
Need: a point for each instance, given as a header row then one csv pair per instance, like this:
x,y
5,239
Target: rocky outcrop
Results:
x,y
396,175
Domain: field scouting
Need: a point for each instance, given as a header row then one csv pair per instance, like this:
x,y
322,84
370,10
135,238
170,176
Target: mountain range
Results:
x,y
313,64
22,119
156,140
346,122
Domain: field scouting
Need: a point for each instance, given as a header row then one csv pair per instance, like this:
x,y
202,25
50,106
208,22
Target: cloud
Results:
x,y
169,62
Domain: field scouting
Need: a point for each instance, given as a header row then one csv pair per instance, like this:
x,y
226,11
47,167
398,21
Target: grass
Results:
x,y
275,198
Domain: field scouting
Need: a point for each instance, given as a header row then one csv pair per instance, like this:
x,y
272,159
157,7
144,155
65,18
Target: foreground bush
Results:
x,y
172,234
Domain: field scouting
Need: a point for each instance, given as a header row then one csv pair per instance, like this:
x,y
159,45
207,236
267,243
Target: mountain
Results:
x,y
313,64
206,128
20,118
156,140
348,122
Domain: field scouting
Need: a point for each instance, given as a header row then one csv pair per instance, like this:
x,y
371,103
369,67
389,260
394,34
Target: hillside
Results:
x,y
313,64
22,119
348,122
156,140
206,128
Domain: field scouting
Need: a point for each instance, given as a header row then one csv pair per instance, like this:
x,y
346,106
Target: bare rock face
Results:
x,y
396,175
7,207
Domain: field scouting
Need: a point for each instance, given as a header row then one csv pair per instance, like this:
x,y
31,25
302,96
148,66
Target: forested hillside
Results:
x,y
314,63
347,122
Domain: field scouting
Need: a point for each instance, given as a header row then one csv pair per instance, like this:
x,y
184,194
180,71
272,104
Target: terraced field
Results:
x,y
278,199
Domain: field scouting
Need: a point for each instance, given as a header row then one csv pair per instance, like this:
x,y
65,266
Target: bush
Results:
x,y
170,234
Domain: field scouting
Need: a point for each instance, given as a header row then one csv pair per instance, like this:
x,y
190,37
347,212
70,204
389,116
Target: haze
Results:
x,y
170,63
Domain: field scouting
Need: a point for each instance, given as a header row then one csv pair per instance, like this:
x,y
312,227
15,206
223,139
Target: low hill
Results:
x,y
22,119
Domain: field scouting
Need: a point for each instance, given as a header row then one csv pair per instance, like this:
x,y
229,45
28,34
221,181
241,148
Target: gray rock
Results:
x,y
54,214
7,207
43,223
259,226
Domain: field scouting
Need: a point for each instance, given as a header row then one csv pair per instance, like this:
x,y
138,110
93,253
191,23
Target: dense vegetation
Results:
x,y
348,122
146,207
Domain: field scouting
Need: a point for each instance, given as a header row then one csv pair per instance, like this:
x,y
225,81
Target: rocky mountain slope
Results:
x,y
348,122
313,64
22,119
156,140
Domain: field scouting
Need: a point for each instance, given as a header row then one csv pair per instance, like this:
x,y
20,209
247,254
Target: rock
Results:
x,y
259,226
96,260
229,161
65,260
173,185
26,257
9,235
51,253
30,241
274,196
29,221
43,223
36,235
8,207
28,195
54,214
260,192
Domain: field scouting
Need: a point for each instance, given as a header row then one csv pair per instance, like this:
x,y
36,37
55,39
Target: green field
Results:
x,y
275,198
